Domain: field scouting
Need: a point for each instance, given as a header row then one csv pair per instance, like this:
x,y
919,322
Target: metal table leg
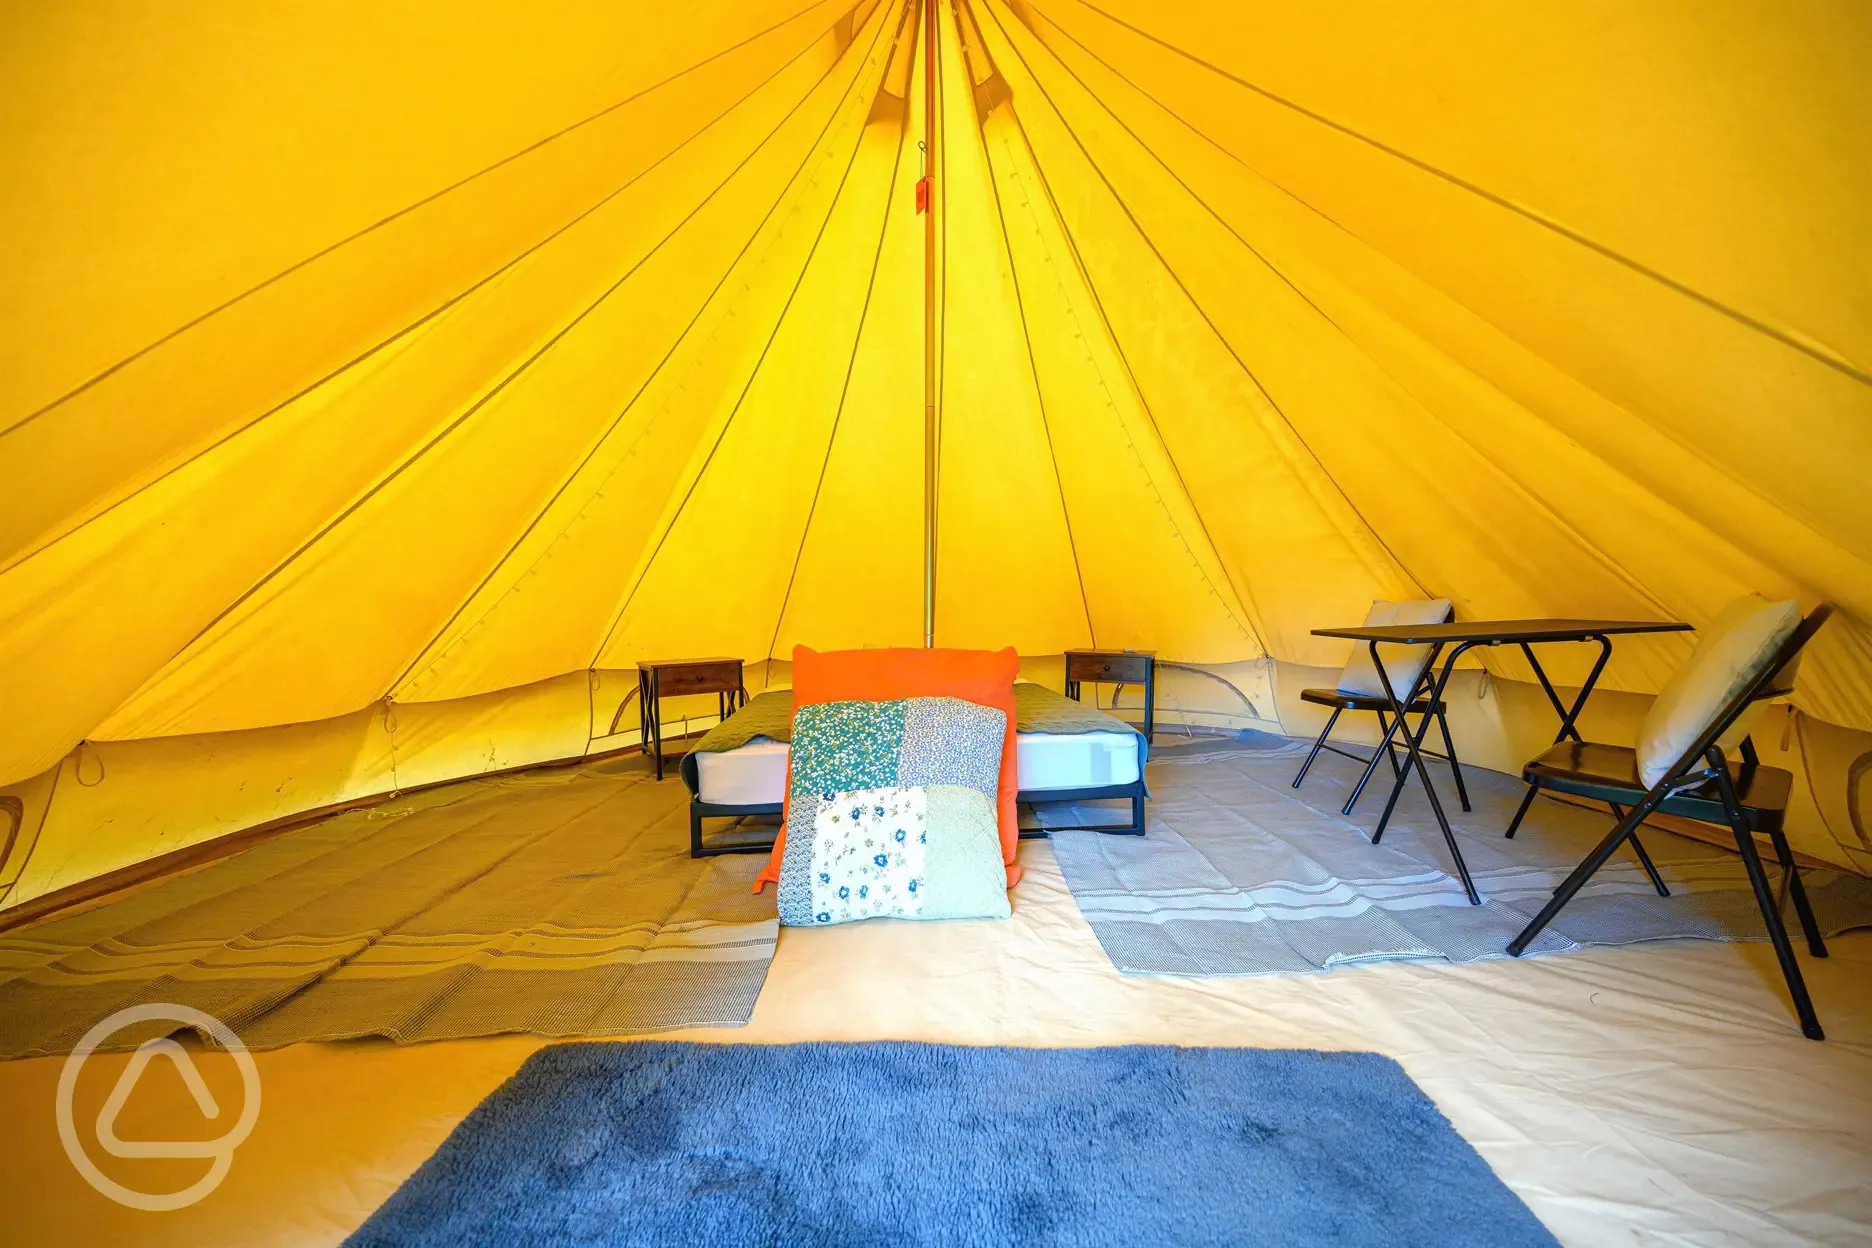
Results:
x,y
643,711
1567,714
1415,757
656,718
1434,687
1569,727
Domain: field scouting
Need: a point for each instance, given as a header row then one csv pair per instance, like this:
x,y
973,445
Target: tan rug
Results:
x,y
1242,875
557,903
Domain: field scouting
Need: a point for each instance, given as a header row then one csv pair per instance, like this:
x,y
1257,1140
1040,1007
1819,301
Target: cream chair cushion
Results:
x,y
1403,664
1729,654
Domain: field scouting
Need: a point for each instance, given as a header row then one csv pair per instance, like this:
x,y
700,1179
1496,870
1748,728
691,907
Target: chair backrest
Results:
x,y
1774,679
1403,664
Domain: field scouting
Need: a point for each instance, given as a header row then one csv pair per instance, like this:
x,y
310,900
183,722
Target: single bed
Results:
x,y
1066,752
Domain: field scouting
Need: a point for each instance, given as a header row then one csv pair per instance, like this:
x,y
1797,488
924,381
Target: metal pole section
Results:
x,y
929,324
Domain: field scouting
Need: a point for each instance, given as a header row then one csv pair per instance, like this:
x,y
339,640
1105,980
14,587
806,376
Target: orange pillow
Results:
x,y
984,677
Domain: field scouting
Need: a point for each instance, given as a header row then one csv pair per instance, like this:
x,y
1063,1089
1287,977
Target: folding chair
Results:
x,y
1700,785
1361,689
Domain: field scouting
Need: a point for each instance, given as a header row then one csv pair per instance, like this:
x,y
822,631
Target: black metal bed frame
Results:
x,y
1134,792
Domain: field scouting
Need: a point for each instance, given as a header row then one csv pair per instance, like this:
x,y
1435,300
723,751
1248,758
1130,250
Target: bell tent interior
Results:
x,y
398,402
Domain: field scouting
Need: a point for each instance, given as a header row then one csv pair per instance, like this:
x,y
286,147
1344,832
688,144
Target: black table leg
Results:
x,y
1385,722
656,718
1150,703
1415,756
1569,727
1455,765
643,711
1567,715
1433,687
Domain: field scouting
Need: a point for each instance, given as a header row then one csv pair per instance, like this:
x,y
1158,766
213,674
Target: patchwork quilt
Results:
x,y
891,813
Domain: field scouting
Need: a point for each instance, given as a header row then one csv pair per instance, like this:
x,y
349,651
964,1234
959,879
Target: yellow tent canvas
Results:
x,y
376,391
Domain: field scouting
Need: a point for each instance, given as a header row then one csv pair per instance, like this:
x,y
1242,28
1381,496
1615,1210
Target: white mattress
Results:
x,y
1080,760
755,774
749,775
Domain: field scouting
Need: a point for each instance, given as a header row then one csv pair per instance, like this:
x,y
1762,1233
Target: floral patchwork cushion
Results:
x,y
892,813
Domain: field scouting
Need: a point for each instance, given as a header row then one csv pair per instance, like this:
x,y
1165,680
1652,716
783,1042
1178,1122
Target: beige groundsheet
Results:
x,y
1653,1094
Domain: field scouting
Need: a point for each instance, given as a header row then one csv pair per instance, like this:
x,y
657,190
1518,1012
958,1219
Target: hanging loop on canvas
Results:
x,y
78,757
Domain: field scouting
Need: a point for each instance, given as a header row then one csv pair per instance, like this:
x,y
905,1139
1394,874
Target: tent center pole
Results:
x,y
929,323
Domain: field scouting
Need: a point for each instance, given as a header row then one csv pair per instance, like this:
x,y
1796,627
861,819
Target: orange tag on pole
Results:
x,y
922,195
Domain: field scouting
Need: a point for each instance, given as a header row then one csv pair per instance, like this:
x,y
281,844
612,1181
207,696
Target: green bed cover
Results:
x,y
1036,709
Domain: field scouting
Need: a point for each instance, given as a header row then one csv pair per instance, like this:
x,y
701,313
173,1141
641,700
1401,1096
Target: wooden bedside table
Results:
x,y
1116,667
667,678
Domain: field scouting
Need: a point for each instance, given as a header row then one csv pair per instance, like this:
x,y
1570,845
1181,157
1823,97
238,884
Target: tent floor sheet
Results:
x,y
1659,1093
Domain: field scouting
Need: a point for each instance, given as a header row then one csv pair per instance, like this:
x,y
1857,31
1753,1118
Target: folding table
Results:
x,y
1464,636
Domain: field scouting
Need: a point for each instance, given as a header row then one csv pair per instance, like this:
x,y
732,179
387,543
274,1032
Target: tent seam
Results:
x,y
1254,632
740,400
1540,505
404,332
877,256
1033,371
403,212
1370,530
1815,351
416,668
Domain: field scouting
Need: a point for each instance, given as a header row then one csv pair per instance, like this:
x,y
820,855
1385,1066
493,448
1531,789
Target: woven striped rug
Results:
x,y
559,903
1242,875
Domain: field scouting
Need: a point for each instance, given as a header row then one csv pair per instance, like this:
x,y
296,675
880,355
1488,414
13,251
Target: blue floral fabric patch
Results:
x,y
866,864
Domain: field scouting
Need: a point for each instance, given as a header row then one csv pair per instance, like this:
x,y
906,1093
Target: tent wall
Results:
x,y
349,356
113,805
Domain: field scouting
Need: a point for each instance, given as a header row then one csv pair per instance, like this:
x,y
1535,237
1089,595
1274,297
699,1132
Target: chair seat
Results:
x,y
1360,701
1610,774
